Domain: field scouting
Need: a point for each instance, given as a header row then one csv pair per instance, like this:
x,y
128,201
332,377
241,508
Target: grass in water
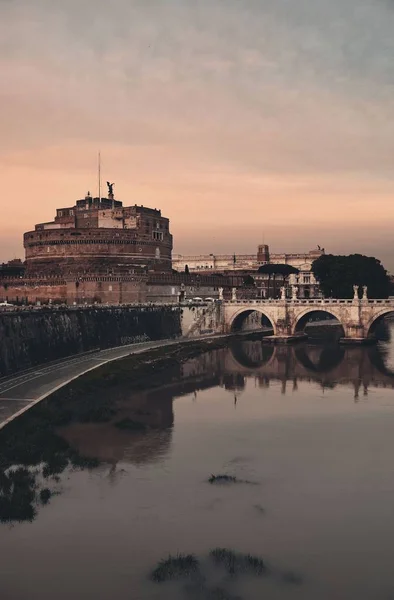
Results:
x,y
222,479
236,562
45,495
175,567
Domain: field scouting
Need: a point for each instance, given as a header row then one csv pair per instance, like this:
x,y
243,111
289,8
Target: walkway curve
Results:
x,y
31,387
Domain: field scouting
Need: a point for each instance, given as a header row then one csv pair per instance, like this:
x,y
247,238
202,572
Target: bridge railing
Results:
x,y
309,302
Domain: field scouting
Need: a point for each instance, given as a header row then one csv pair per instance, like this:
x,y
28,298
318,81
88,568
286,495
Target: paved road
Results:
x,y
21,391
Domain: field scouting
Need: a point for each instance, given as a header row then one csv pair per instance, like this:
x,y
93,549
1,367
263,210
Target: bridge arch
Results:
x,y
327,358
377,318
303,317
236,320
252,354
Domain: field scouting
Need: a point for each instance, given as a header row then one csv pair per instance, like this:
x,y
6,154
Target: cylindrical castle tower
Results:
x,y
100,236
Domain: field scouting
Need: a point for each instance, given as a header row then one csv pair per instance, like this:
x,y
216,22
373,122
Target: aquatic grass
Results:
x,y
56,464
222,479
45,495
82,462
17,495
175,567
236,562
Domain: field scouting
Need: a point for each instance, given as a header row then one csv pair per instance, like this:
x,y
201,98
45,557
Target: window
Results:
x,y
71,213
110,288
157,235
59,213
85,216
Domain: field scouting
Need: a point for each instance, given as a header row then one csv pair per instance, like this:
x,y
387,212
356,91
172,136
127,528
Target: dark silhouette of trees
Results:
x,y
248,280
337,274
187,269
282,270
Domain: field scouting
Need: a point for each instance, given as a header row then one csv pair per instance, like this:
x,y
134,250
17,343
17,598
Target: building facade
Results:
x,y
241,265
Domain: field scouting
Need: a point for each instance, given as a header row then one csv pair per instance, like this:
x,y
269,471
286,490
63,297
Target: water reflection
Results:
x,y
140,426
129,465
330,365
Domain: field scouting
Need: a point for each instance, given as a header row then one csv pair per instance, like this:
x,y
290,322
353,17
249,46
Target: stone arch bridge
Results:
x,y
288,317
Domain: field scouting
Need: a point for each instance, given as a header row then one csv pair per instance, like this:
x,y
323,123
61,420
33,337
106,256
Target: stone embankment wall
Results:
x,y
29,338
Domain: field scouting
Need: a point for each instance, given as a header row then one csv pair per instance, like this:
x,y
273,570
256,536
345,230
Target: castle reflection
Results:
x,y
230,367
140,430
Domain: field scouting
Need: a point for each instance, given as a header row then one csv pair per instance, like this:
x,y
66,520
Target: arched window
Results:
x,y
157,253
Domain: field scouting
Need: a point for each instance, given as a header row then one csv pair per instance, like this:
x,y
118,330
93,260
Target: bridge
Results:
x,y
288,317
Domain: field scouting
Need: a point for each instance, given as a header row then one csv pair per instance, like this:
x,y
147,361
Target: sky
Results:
x,y
243,120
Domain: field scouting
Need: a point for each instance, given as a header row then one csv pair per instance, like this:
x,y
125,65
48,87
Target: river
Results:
x,y
308,434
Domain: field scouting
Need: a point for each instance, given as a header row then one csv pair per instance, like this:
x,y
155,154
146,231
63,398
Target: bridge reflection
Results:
x,y
328,365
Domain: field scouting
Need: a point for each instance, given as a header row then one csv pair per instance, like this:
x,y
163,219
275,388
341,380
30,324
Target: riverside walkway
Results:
x,y
19,392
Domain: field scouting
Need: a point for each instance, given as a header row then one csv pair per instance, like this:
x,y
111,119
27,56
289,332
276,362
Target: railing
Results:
x,y
96,307
309,302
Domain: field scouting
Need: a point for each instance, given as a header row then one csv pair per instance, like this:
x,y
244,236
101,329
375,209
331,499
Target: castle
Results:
x,y
101,236
99,251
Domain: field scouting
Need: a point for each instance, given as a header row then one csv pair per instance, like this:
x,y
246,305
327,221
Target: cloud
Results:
x,y
269,111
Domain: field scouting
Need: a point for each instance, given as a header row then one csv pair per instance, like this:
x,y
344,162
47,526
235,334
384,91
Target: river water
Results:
x,y
308,433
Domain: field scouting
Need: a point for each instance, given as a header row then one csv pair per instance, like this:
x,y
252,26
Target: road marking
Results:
x,y
16,400
129,350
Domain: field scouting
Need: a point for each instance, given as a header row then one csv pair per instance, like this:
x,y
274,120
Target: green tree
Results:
x,y
248,280
337,275
187,269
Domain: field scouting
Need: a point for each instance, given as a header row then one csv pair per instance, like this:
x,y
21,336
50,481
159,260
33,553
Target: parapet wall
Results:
x,y
29,338
112,289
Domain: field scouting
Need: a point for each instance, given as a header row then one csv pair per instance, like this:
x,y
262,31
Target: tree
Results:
x,y
248,280
283,270
187,269
337,275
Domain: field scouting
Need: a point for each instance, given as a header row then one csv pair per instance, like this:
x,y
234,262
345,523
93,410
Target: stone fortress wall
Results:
x,y
99,236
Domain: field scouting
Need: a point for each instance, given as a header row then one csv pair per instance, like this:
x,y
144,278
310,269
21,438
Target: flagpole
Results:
x,y
99,176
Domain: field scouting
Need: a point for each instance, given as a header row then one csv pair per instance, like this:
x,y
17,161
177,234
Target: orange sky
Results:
x,y
242,121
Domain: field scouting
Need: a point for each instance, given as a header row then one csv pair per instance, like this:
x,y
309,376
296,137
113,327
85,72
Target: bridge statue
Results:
x,y
234,294
220,293
283,293
294,292
288,318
